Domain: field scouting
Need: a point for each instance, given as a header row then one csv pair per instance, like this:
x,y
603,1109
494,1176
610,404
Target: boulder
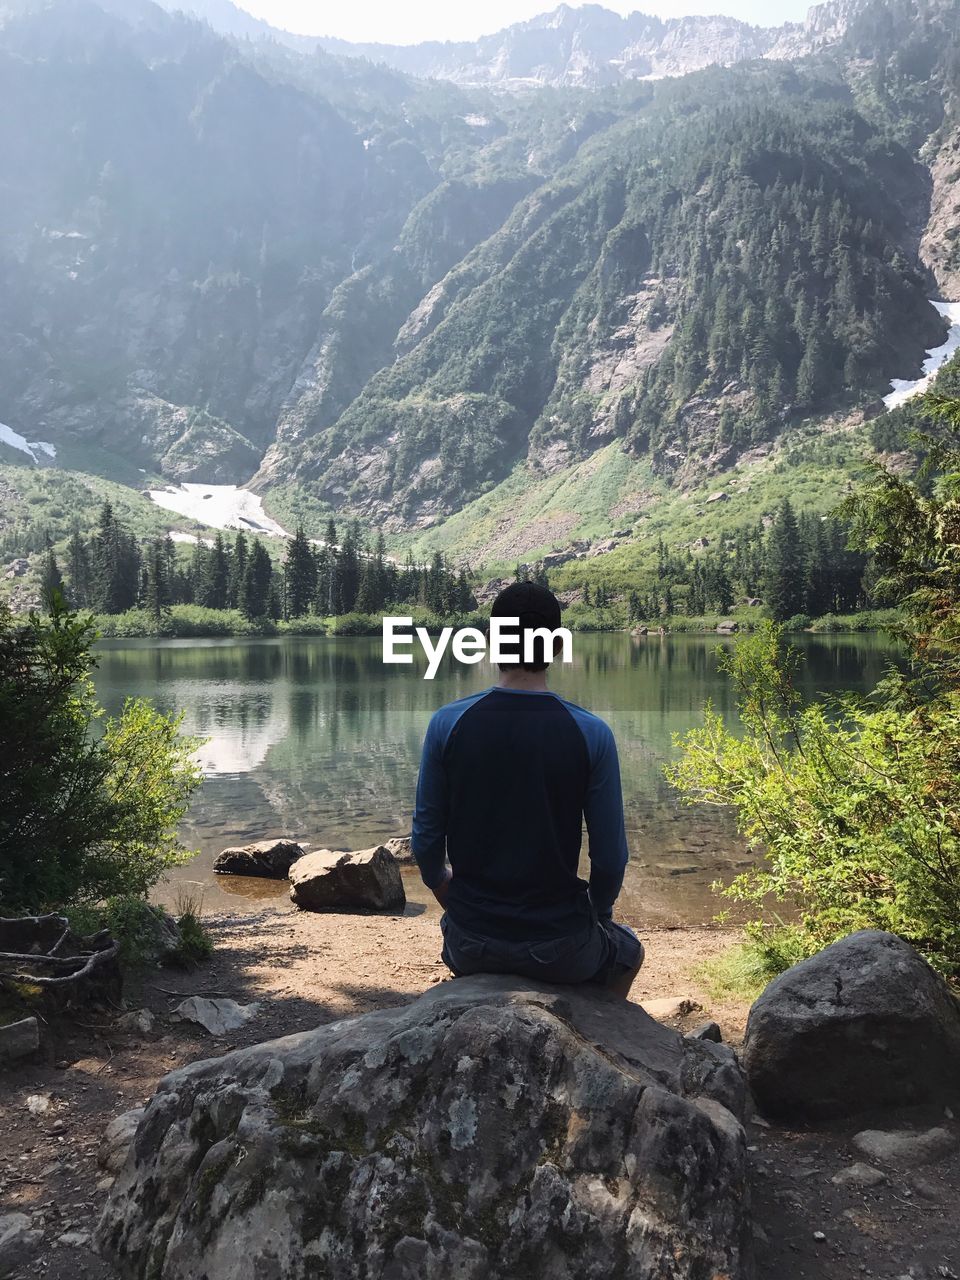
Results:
x,y
366,880
865,1023
492,1128
269,858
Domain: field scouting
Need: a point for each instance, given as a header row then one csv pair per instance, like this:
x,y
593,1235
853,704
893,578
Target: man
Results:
x,y
506,779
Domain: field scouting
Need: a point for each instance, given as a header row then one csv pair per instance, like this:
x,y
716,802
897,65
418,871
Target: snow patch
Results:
x,y
219,506
175,535
475,121
901,390
17,441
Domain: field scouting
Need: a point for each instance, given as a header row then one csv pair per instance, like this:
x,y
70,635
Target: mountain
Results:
x,y
227,257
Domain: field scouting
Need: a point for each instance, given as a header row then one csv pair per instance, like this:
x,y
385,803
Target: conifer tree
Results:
x,y
255,600
51,579
238,571
218,575
300,575
78,571
784,588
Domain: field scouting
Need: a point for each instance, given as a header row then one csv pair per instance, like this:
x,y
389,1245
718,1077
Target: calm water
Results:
x,y
315,738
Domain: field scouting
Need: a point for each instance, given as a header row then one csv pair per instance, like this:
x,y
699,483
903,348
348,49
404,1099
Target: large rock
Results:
x,y
269,858
493,1128
865,1023
366,880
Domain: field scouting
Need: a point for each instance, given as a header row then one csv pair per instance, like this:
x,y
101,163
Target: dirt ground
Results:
x,y
309,969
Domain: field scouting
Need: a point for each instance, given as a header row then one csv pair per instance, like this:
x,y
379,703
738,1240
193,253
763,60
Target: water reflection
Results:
x,y
317,739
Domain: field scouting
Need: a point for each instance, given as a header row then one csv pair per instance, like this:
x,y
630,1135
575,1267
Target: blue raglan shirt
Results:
x,y
506,779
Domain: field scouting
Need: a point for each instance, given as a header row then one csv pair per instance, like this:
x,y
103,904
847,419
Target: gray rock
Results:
x,y
865,1023
401,847
19,1241
138,1020
116,1140
859,1175
707,1031
74,1239
19,1039
366,880
217,1015
493,1128
269,858
903,1147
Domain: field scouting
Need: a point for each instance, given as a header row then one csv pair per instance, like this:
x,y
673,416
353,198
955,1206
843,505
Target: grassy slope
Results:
x,y
35,500
527,516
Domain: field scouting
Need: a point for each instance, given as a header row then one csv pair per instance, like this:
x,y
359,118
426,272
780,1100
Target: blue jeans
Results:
x,y
602,953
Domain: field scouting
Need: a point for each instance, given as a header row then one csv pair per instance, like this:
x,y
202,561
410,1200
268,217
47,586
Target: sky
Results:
x,y
410,21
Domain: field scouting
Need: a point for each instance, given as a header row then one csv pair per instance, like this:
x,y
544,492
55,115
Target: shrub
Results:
x,y
799,622
84,816
854,805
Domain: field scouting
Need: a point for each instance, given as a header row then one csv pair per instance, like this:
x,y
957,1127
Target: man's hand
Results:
x,y
441,890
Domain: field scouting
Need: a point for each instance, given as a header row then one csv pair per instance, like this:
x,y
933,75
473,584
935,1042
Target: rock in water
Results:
x,y
493,1128
864,1023
367,880
269,858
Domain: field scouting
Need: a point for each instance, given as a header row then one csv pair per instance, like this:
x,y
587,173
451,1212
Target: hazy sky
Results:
x,y
410,21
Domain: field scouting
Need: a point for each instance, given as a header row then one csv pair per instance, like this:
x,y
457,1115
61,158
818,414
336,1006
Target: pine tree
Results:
x,y
155,594
218,575
78,571
51,579
784,587
257,581
238,571
300,575
115,566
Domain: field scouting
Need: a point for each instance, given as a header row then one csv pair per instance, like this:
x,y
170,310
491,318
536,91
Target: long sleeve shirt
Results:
x,y
507,778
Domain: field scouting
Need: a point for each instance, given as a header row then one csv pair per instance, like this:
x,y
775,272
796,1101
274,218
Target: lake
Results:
x,y
317,739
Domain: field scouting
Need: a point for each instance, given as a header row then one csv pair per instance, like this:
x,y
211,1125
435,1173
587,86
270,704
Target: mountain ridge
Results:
x,y
388,294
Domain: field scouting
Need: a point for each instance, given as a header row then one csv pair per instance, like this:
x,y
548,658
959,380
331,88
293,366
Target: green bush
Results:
x,y
84,815
855,807
141,932
799,622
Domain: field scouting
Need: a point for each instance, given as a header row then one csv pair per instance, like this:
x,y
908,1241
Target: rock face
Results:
x,y
865,1023
269,858
490,1129
366,880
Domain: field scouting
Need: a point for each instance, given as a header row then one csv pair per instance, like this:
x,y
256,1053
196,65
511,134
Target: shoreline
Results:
x,y
183,623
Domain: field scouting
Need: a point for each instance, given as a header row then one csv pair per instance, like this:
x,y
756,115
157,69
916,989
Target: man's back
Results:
x,y
506,780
